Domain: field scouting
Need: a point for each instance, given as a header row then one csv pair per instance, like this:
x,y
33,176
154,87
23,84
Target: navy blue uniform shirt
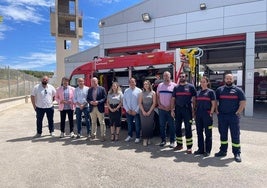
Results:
x,y
204,98
229,98
183,94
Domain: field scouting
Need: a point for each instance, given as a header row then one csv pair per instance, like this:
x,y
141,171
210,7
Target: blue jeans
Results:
x,y
165,117
79,112
130,122
40,112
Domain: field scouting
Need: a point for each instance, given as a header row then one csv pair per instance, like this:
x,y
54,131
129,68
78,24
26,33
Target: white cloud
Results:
x,y
2,36
45,3
101,2
92,39
85,44
89,18
4,28
21,13
94,35
110,1
35,60
2,58
24,10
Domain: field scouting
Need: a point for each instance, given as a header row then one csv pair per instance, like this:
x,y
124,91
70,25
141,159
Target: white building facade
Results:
x,y
231,32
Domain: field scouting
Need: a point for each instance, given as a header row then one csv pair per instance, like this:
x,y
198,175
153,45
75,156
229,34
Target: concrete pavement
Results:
x,y
54,162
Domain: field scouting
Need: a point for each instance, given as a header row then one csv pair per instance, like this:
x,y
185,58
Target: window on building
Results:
x,y
67,44
72,26
80,23
72,7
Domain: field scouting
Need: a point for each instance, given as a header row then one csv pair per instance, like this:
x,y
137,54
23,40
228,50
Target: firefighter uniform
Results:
x,y
229,98
183,112
204,119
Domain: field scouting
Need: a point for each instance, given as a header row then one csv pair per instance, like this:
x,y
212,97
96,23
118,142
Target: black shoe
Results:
x,y
237,158
198,152
206,154
220,154
178,147
163,143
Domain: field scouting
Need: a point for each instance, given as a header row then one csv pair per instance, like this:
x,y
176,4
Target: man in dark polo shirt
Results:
x,y
231,103
183,103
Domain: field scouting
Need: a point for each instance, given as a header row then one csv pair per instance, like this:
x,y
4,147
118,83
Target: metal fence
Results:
x,y
14,83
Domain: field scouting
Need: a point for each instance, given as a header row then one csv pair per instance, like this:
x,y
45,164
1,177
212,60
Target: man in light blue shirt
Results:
x,y
130,104
82,106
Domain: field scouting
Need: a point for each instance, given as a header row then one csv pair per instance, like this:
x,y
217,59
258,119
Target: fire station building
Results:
x,y
232,34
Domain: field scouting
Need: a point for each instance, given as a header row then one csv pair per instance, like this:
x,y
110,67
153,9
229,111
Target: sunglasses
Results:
x,y
45,91
182,76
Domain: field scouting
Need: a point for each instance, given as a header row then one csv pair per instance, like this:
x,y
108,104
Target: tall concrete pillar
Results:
x,y
163,46
249,73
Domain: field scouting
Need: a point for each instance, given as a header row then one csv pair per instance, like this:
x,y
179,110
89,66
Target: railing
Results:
x,y
65,10
14,83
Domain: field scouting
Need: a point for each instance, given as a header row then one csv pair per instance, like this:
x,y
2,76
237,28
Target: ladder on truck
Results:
x,y
188,61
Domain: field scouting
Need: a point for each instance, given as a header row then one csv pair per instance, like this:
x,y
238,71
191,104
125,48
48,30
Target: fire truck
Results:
x,y
260,87
140,66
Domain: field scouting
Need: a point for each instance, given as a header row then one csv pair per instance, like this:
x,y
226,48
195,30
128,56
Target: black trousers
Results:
x,y
63,114
204,123
184,114
40,112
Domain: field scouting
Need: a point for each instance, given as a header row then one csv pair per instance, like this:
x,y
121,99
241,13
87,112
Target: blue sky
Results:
x,y
25,39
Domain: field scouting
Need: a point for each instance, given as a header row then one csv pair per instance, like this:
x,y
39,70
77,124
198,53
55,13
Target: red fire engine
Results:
x,y
141,67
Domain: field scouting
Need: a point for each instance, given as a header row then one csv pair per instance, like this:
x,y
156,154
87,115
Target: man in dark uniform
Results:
x,y
232,102
184,95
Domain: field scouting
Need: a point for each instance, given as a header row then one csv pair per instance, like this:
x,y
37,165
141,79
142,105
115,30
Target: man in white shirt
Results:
x,y
130,104
42,101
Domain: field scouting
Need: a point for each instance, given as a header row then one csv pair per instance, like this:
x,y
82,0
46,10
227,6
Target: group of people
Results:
x,y
176,103
88,103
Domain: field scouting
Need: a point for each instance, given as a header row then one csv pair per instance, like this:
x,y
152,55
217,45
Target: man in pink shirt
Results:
x,y
164,95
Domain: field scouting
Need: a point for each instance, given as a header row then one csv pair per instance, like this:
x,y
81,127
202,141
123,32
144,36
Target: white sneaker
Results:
x,y
78,136
172,145
128,139
72,135
137,140
61,135
52,134
145,141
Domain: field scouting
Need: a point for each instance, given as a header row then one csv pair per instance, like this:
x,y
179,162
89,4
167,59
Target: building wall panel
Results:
x,y
170,30
205,15
205,25
245,8
204,34
245,20
170,20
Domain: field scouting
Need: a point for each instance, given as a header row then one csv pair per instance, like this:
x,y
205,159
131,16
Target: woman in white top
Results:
x,y
114,103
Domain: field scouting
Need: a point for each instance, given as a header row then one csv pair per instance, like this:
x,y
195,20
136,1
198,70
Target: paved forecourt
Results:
x,y
54,162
